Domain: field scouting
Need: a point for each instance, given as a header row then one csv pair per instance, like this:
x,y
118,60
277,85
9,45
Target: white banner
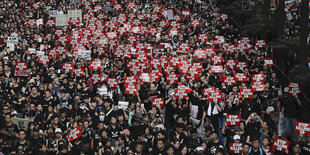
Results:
x,y
122,104
61,20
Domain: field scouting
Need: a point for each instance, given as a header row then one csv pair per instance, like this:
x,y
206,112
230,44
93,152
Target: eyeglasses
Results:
x,y
5,109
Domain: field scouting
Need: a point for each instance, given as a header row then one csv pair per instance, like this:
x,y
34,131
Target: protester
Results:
x,y
138,77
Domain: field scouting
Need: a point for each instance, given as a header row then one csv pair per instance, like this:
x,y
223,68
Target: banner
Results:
x,y
75,13
61,20
53,13
233,119
21,123
235,148
158,102
74,134
302,128
122,105
280,145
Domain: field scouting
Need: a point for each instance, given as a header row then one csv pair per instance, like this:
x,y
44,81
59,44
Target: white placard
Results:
x,y
12,40
32,50
122,104
10,47
85,54
75,13
61,20
170,15
53,13
40,22
40,53
194,111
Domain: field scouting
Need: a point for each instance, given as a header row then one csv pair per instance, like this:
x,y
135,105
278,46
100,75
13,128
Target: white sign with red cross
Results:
x,y
158,102
67,67
294,89
173,78
246,93
21,66
79,72
44,59
215,96
216,69
280,145
112,82
131,89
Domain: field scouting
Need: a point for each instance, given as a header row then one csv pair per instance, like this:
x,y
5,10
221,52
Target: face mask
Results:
x,y
28,57
101,117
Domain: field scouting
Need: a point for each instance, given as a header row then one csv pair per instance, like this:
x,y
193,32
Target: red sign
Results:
x,y
112,82
21,66
260,43
268,61
215,96
96,78
173,78
74,134
240,76
79,72
258,85
208,91
44,59
67,67
131,89
235,148
145,77
216,69
280,145
232,99
229,80
246,93
158,102
302,128
180,94
130,80
233,119
294,89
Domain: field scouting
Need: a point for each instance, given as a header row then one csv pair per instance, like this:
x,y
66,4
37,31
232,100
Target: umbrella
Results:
x,y
108,9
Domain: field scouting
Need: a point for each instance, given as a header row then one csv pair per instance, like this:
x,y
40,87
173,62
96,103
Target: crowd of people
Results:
x,y
160,77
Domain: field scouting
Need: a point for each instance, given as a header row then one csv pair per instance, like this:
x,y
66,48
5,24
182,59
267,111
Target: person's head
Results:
x,y
85,124
58,133
193,133
34,90
139,147
180,128
296,148
308,138
21,134
184,150
265,141
152,88
130,152
8,118
5,109
160,144
214,135
113,120
246,148
255,143
170,150
265,125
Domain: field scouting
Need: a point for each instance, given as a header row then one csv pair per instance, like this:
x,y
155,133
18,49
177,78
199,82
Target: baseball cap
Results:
x,y
58,130
36,129
236,137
